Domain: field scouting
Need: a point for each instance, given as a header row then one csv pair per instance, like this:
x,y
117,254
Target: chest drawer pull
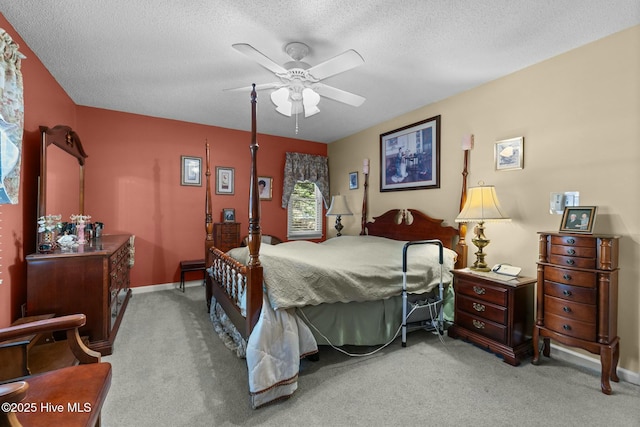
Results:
x,y
566,293
571,251
478,307
566,309
571,241
478,324
566,327
479,290
570,262
566,276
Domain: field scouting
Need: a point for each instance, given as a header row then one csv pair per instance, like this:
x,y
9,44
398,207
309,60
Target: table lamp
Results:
x,y
481,205
338,208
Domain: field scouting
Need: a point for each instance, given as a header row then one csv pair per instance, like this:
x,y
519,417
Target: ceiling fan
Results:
x,y
299,87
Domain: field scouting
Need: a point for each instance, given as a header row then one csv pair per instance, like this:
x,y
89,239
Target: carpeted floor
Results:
x,y
170,369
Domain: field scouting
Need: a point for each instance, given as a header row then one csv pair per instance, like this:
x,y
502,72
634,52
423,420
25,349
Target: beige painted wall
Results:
x,y
579,114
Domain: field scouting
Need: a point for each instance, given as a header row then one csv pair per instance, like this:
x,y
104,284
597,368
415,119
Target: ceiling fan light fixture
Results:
x,y
280,99
310,100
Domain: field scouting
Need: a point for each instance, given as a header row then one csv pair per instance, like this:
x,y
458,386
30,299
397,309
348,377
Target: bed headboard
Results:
x,y
411,224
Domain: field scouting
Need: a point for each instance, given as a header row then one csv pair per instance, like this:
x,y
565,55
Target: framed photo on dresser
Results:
x,y
578,219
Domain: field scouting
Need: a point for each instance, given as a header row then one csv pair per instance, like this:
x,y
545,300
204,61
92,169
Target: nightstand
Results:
x,y
494,312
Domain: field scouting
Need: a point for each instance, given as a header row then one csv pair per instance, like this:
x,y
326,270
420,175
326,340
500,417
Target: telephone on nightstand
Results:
x,y
506,269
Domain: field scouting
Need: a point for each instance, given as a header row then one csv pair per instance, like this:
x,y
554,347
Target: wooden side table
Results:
x,y
494,313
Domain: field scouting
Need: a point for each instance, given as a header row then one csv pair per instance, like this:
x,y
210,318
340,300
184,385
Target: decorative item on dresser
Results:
x,y
226,235
577,297
92,279
494,313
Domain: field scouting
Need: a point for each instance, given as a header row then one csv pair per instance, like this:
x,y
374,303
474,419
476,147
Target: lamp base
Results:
x,y
339,225
481,242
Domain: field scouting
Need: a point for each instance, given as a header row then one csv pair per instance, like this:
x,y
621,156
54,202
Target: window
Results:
x,y
304,220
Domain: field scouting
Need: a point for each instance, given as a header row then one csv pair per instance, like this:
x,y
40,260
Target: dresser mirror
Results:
x,y
62,161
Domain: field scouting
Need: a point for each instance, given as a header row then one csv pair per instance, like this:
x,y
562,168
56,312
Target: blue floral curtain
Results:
x,y
11,118
305,167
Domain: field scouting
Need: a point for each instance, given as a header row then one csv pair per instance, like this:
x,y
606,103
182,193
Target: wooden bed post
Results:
x,y
254,269
461,246
363,225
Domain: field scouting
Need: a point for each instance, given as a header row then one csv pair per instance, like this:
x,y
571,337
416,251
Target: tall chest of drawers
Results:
x,y
92,279
226,235
577,297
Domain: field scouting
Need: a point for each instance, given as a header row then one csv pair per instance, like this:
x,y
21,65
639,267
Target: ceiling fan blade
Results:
x,y
336,65
262,86
259,57
339,95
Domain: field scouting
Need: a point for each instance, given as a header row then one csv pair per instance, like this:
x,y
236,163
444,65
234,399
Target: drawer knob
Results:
x,y
479,290
570,261
478,307
478,324
571,251
566,309
566,293
566,327
571,240
566,276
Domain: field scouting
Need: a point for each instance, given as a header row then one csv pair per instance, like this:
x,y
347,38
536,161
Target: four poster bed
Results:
x,y
282,301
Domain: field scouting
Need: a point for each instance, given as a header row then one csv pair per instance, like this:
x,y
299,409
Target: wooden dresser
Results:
x,y
226,235
494,313
577,297
92,279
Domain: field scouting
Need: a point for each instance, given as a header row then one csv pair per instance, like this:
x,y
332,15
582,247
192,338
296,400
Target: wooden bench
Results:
x,y
191,265
71,396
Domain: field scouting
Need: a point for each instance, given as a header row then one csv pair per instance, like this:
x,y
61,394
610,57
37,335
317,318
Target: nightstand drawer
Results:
x,y
571,293
481,291
482,326
579,251
570,277
479,308
570,327
569,309
587,242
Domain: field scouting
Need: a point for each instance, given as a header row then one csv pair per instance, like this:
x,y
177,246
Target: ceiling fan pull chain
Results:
x,y
296,124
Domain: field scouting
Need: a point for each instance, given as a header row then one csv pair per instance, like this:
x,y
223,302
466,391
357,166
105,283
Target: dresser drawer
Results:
x,y
570,277
482,326
482,292
228,228
569,309
571,261
579,251
479,308
570,327
588,242
571,293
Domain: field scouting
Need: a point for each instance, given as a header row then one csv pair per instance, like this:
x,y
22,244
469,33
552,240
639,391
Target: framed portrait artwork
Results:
x,y
410,156
353,180
264,187
509,154
578,219
224,180
228,215
190,171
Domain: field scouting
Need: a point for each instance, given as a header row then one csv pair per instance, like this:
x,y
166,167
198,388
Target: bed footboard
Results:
x,y
227,282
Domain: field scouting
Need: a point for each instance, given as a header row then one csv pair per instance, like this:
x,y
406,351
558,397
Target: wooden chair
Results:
x,y
267,239
70,396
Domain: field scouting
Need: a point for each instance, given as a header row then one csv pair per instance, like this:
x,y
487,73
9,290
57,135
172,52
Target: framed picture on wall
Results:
x,y
191,171
224,180
509,154
578,219
410,156
264,187
353,180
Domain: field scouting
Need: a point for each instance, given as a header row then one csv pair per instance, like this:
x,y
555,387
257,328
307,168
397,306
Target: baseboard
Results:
x,y
164,287
591,363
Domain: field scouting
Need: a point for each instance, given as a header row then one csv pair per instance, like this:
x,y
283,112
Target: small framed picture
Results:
x,y
228,215
578,219
191,171
264,187
224,180
353,180
509,154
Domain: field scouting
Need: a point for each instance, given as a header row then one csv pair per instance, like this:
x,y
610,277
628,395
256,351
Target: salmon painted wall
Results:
x,y
132,180
45,103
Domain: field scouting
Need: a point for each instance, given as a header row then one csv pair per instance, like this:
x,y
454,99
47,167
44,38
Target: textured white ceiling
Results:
x,y
173,58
